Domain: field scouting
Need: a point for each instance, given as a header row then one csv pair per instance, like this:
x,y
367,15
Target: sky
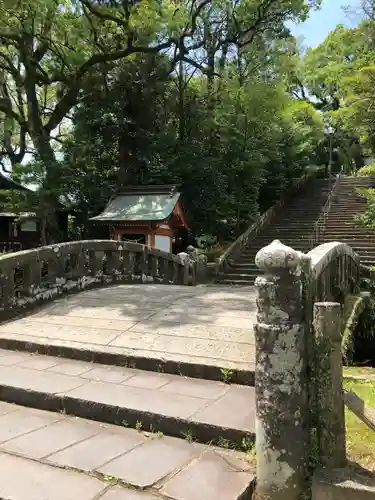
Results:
x,y
313,31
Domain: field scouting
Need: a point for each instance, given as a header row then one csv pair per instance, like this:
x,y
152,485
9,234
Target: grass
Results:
x,y
360,440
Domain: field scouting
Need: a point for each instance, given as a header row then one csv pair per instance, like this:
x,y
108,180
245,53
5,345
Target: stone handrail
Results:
x,y
41,274
335,271
322,219
234,251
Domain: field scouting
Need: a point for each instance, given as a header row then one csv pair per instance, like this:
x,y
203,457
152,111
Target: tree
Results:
x,y
47,49
65,59
320,77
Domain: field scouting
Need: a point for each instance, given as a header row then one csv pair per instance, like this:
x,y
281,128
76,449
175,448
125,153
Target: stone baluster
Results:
x,y
96,264
184,269
282,419
144,263
7,284
113,262
153,267
31,274
330,414
165,271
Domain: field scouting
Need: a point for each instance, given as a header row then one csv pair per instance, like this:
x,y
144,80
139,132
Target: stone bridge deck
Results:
x,y
198,331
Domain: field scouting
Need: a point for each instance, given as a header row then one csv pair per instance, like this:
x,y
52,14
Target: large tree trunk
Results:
x,y
41,139
181,102
49,199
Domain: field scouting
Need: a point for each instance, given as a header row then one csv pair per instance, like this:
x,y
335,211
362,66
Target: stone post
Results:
x,y
330,414
184,270
282,428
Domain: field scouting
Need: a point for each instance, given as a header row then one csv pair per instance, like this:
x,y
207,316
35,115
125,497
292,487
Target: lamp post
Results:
x,y
330,133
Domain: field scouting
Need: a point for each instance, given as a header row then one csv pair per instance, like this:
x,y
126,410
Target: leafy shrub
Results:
x,y
366,171
216,251
368,217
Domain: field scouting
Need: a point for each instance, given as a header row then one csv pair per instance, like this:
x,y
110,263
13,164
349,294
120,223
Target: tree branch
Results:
x,y
102,15
70,97
194,17
6,106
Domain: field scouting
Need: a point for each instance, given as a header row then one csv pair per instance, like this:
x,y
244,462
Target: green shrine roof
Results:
x,y
144,203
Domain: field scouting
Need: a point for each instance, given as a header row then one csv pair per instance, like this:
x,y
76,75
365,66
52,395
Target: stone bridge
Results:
x,y
134,302
135,308
198,330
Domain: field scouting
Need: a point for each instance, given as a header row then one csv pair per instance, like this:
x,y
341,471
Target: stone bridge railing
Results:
x,y
334,271
40,274
298,375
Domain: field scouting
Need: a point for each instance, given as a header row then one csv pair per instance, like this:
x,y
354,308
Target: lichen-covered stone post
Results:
x,y
330,409
282,429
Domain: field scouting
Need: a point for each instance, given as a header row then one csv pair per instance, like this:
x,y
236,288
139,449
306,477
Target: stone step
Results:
x,y
247,261
369,263
359,203
298,215
249,282
347,222
361,249
345,213
60,457
171,404
238,276
243,265
354,233
347,226
304,238
346,210
349,235
199,331
285,235
244,268
294,243
365,245
295,227
249,257
238,271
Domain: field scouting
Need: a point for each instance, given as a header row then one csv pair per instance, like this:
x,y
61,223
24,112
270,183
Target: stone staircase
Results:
x,y
341,224
293,225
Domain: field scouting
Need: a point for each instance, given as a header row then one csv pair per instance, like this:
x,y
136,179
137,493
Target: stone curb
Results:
x,y
360,378
345,484
117,415
193,370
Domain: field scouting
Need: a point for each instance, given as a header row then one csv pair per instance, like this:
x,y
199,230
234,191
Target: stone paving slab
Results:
x,y
197,330
174,404
66,458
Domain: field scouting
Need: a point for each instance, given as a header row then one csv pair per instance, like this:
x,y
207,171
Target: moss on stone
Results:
x,y
353,308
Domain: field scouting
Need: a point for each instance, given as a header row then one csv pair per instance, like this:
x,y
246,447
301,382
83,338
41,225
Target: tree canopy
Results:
x,y
105,93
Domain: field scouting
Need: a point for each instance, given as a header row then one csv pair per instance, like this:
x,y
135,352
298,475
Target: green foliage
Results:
x,y
366,171
366,324
368,217
133,96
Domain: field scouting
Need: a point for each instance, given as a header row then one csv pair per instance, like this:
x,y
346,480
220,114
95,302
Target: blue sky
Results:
x,y
313,31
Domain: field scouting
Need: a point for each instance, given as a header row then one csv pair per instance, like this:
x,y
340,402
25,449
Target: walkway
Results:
x,y
140,357
46,456
197,328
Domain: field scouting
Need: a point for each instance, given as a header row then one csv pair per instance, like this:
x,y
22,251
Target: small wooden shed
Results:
x,y
151,215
